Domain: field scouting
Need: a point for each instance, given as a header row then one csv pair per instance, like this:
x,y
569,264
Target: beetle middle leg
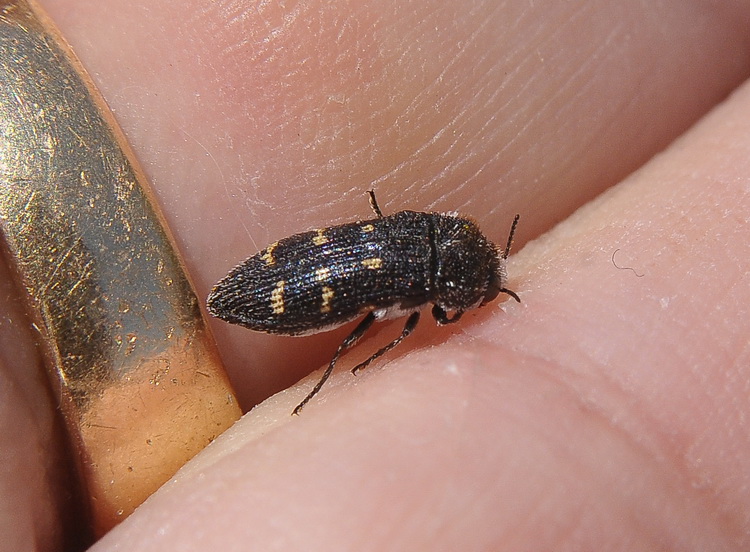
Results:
x,y
411,323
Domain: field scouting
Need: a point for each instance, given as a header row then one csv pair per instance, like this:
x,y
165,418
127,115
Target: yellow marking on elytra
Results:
x,y
268,254
320,238
327,297
367,228
277,298
373,263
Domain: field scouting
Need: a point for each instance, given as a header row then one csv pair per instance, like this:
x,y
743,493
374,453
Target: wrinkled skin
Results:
x,y
605,412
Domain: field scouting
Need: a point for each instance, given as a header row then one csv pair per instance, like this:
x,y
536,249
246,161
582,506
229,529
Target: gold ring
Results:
x,y
128,352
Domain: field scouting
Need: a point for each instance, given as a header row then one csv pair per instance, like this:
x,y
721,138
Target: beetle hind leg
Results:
x,y
349,342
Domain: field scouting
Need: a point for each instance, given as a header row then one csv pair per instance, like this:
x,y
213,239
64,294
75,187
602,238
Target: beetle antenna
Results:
x,y
510,236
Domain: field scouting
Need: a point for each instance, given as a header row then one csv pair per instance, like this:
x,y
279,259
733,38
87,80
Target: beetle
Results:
x,y
382,268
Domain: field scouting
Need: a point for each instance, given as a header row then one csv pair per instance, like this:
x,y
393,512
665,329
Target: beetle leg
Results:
x,y
374,204
351,339
411,323
441,317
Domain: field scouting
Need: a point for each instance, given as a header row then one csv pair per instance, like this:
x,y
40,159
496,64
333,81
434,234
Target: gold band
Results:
x,y
128,352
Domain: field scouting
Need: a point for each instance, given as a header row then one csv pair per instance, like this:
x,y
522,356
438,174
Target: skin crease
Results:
x,y
605,412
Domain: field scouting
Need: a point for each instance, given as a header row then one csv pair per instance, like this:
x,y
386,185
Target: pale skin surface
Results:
x,y
607,411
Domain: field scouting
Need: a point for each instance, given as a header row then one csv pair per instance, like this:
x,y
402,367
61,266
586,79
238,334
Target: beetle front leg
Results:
x,y
441,317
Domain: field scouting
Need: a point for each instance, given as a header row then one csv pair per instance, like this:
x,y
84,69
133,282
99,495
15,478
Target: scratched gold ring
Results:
x,y
128,352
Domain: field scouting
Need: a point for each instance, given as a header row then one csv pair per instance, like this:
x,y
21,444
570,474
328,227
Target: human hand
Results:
x,y
605,411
